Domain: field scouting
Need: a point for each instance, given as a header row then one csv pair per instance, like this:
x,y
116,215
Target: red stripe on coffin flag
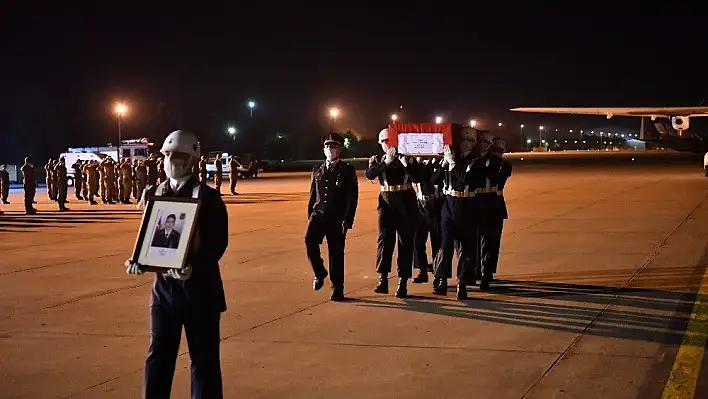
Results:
x,y
394,129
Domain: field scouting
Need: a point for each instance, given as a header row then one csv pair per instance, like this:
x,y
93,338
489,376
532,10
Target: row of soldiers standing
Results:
x,y
114,182
459,203
201,171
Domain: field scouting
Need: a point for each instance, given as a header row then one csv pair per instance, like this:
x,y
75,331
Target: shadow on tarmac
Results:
x,y
15,222
626,318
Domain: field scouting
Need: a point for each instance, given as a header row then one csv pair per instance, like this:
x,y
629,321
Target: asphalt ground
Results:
x,y
601,261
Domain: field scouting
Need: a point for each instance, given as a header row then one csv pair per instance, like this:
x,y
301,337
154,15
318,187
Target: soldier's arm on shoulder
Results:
x,y
374,168
352,195
313,192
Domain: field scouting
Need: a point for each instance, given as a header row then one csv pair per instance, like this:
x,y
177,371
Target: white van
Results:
x,y
70,159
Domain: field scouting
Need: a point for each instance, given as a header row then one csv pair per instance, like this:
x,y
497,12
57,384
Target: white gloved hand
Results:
x,y
176,274
133,268
372,160
390,155
404,160
449,157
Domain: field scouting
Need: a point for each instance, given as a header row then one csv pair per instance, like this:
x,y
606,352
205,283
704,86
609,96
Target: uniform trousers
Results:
x,y
202,331
428,225
396,216
490,233
318,228
455,224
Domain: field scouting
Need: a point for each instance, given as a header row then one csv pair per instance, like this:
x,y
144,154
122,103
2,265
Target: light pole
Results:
x,y
394,118
120,110
540,133
473,123
232,132
251,105
521,128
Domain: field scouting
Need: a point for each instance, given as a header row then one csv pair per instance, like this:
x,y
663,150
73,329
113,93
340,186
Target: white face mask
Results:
x,y
332,154
175,168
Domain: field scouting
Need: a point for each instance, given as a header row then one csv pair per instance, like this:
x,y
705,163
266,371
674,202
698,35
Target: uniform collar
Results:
x,y
329,164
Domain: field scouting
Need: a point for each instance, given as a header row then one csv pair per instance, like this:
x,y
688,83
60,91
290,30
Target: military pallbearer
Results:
x,y
397,213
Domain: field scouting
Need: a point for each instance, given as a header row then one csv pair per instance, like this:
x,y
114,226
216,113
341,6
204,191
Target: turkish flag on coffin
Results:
x,y
420,138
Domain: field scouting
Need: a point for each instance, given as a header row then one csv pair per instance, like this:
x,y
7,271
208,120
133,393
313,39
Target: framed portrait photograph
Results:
x,y
165,233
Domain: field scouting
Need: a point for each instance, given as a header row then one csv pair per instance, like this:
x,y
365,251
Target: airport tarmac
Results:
x,y
598,276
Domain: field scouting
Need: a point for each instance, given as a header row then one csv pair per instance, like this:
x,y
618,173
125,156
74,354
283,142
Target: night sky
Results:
x,y
61,75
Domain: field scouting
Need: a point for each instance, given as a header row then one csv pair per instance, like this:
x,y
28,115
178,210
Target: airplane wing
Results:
x,y
609,112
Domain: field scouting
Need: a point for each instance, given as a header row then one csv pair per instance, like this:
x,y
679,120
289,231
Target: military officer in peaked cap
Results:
x,y
334,195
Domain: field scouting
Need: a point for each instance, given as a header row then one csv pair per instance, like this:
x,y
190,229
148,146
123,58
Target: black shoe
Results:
x,y
402,291
382,287
441,288
422,277
337,295
6,202
461,292
484,284
319,282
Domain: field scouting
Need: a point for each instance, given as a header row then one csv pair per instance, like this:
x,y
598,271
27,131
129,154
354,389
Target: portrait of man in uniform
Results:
x,y
168,236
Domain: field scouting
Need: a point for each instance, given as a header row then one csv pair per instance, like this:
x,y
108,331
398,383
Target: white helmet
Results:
x,y
181,141
383,135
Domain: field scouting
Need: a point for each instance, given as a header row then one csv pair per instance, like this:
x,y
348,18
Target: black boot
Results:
x,y
319,282
484,285
441,288
337,295
422,277
461,292
402,291
382,287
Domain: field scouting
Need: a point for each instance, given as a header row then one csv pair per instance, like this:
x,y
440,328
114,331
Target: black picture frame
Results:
x,y
147,220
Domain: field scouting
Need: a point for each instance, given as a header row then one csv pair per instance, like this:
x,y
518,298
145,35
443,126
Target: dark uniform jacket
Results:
x,y
334,194
469,173
204,290
395,174
499,172
163,240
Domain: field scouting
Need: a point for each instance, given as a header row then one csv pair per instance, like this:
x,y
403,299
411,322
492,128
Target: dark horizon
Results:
x,y
62,75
